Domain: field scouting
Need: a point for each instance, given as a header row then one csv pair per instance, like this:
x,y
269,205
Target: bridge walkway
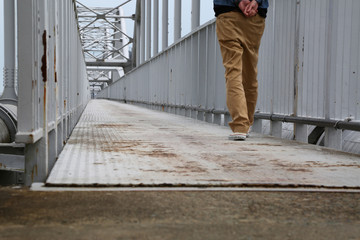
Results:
x,y
122,145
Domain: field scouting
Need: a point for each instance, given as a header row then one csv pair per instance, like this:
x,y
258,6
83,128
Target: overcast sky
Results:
x,y
205,15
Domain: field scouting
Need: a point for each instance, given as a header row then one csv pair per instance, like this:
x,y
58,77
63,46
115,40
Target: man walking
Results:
x,y
239,26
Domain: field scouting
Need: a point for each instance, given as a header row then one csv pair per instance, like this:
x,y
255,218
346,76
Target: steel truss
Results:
x,y
105,43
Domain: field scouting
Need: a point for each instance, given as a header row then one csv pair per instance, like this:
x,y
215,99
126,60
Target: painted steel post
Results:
x,y
195,14
142,32
177,20
165,22
137,32
9,95
257,126
333,137
156,28
276,129
301,132
148,29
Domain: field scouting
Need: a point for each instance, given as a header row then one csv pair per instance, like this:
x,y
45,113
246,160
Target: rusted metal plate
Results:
x,y
116,144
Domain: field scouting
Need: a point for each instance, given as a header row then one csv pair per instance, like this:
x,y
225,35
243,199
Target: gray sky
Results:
x,y
205,15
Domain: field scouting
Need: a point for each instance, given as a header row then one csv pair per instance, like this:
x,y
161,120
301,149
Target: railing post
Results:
x,y
142,32
165,20
156,28
148,29
138,32
177,20
195,14
276,129
257,126
301,132
333,137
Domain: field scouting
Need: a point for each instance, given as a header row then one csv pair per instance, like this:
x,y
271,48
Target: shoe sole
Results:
x,y
237,138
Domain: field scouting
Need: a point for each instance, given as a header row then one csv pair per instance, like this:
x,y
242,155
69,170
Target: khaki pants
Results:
x,y
239,38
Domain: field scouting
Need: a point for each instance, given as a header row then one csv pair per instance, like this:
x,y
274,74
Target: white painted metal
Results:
x,y
165,22
116,144
156,28
148,29
195,14
142,32
53,84
105,42
9,95
177,20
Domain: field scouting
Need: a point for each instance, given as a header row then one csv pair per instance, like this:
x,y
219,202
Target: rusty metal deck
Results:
x,y
116,144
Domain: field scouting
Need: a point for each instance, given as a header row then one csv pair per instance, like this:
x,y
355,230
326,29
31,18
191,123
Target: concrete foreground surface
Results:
x,y
27,214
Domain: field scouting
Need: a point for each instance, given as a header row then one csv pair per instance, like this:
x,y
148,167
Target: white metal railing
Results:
x,y
309,70
53,85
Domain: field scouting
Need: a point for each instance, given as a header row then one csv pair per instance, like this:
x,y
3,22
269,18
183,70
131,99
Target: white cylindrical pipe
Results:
x,y
177,20
156,28
142,33
148,29
165,22
195,14
9,50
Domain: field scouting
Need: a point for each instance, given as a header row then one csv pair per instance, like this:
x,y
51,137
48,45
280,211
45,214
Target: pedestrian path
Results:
x,y
121,145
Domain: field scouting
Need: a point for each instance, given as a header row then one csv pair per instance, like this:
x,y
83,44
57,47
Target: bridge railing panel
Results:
x,y
53,85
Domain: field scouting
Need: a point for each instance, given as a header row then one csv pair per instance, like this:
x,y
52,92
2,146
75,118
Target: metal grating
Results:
x,y
116,144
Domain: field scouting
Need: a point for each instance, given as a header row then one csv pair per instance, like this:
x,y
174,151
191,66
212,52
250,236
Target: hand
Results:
x,y
251,9
243,4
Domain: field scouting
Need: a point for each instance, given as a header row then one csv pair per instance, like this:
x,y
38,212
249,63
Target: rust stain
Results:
x,y
163,108
160,153
137,148
0,165
31,136
44,58
34,172
64,104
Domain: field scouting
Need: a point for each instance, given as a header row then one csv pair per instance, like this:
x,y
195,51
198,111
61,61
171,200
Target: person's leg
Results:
x,y
229,35
253,33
